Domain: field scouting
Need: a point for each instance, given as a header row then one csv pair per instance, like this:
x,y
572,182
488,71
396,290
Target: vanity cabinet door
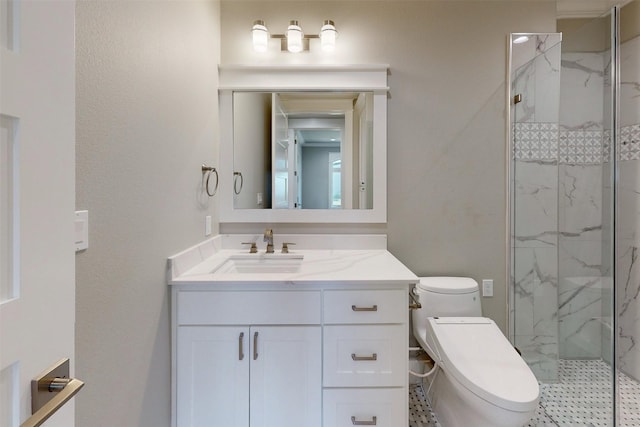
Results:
x,y
286,376
213,376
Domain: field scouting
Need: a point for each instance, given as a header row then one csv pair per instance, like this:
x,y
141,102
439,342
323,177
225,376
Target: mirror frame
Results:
x,y
303,78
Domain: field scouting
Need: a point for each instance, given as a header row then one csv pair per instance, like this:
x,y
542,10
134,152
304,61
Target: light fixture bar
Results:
x,y
294,40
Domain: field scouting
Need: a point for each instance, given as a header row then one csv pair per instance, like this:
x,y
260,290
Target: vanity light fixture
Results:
x,y
294,40
294,37
260,36
328,35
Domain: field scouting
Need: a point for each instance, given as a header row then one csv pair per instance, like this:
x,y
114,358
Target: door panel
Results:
x,y
37,190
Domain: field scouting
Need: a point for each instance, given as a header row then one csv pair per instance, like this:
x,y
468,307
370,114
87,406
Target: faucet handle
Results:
x,y
285,247
253,249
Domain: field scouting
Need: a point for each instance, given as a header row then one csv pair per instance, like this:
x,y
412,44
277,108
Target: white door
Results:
x,y
213,376
279,155
292,155
286,380
37,199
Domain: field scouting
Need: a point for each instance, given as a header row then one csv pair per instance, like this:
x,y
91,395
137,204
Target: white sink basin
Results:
x,y
260,264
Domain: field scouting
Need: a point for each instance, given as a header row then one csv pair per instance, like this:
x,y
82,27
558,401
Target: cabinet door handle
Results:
x,y
356,308
240,346
255,346
373,422
374,356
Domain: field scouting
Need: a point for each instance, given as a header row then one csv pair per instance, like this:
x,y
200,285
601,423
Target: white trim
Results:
x,y
303,77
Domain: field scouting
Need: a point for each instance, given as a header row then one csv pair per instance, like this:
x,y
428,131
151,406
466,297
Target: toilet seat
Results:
x,y
474,352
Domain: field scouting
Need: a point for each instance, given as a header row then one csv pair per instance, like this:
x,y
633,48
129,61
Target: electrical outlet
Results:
x,y
487,288
207,225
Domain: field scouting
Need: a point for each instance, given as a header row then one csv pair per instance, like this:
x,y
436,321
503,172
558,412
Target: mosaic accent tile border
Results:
x,y
629,143
606,146
546,142
582,397
581,147
536,141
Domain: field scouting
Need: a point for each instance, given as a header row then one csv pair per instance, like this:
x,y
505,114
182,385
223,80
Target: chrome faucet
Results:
x,y
268,237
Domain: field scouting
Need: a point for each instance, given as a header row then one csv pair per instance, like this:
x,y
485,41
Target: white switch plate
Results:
x,y
487,288
207,225
82,230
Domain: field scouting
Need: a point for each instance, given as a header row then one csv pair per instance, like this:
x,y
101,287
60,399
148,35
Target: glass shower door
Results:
x,y
535,86
627,216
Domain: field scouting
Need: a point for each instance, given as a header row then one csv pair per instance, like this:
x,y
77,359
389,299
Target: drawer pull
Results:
x,y
255,346
373,422
240,346
356,308
374,356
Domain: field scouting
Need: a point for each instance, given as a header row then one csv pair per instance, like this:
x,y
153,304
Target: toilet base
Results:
x,y
456,406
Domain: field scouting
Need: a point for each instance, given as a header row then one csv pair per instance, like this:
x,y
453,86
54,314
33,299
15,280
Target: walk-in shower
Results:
x,y
574,310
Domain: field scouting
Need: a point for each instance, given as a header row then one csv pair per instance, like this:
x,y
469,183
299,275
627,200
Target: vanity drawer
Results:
x,y
366,306
248,308
365,356
388,406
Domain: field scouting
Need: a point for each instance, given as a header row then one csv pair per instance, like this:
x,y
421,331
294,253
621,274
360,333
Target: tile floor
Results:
x,y
582,398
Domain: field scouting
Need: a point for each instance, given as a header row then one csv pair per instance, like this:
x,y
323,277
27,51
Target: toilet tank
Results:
x,y
448,297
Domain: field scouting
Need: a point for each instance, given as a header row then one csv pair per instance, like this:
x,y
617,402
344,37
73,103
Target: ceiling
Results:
x,y
565,8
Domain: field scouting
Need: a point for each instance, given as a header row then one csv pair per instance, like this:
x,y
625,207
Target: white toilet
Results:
x,y
482,381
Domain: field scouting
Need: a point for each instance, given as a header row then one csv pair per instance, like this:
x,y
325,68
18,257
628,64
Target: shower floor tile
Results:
x,y
582,397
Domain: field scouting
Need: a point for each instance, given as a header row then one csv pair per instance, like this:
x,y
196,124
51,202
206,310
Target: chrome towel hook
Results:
x,y
208,170
237,189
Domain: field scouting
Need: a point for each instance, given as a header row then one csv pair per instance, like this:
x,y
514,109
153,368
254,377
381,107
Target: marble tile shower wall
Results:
x,y
581,154
628,211
535,209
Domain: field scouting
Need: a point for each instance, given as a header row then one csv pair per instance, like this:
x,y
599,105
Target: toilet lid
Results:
x,y
476,354
448,285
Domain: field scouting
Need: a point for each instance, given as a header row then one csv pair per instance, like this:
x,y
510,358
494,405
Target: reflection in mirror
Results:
x,y
303,150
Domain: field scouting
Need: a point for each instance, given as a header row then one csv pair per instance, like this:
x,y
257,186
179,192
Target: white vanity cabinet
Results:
x,y
265,372
323,355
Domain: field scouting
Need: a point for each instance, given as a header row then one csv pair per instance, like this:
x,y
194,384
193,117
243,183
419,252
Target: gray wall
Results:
x,y
146,120
446,116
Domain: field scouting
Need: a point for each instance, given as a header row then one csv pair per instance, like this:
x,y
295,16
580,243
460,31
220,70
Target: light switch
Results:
x,y
82,230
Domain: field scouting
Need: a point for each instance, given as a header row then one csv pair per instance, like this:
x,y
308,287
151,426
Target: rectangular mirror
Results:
x,y
303,150
304,144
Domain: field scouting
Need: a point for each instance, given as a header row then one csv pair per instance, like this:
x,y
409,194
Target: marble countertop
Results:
x,y
198,264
